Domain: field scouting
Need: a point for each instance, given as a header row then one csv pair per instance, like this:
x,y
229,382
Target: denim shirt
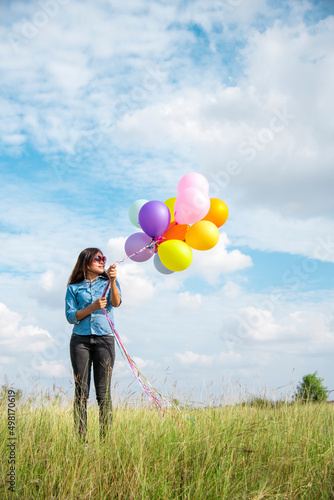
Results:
x,y
81,295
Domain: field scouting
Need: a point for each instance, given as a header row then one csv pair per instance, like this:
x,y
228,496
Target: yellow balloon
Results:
x,y
217,213
170,204
176,255
202,235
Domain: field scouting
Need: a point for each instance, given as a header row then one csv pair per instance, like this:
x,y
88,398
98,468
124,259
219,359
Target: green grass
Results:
x,y
233,452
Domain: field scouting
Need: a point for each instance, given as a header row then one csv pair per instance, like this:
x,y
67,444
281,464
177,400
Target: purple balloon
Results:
x,y
136,242
154,218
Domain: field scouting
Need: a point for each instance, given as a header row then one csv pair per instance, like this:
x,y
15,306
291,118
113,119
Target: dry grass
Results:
x,y
233,452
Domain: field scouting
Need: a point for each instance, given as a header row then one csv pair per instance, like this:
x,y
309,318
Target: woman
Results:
x,y
92,341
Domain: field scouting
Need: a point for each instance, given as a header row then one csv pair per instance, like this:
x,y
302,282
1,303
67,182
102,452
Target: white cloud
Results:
x,y
5,360
172,114
189,301
116,248
199,361
214,263
312,327
123,370
266,230
256,142
231,290
285,329
141,363
18,337
54,368
120,370
47,280
260,324
136,286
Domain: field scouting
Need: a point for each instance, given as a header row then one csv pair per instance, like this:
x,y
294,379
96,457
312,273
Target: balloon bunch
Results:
x,y
170,230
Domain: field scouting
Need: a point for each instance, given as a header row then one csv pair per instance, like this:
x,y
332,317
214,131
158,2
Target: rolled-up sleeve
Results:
x,y
71,306
109,295
120,292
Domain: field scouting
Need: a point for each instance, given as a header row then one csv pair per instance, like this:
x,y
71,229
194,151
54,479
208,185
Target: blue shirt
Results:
x,y
81,295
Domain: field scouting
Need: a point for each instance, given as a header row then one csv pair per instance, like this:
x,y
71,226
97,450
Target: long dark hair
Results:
x,y
85,259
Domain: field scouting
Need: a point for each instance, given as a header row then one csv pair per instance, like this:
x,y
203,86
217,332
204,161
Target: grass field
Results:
x,y
233,452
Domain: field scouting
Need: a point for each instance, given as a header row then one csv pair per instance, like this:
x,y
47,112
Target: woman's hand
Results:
x,y
99,303
112,272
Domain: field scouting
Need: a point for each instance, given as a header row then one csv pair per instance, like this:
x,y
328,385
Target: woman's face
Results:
x,y
98,263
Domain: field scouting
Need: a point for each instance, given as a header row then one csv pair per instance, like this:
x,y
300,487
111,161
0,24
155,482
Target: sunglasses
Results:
x,y
98,258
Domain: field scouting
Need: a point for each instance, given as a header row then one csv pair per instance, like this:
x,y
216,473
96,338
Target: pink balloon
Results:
x,y
193,179
191,206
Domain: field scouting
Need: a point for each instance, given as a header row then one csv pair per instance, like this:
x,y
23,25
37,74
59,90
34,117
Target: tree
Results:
x,y
311,388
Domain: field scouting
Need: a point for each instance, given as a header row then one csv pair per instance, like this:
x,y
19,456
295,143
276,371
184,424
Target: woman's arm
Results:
x,y
114,292
98,304
71,306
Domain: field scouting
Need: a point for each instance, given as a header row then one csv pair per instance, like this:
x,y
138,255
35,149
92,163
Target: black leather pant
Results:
x,y
86,350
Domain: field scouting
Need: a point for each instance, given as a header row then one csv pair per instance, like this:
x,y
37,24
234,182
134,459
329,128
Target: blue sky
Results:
x,y
103,104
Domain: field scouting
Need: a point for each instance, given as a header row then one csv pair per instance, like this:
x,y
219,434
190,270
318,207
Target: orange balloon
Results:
x,y
176,231
217,213
202,235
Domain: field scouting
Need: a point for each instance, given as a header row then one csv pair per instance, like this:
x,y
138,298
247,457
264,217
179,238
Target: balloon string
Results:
x,y
174,223
162,238
150,245
154,243
160,401
158,398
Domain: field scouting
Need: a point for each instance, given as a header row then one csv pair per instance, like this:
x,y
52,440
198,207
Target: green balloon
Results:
x,y
134,211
